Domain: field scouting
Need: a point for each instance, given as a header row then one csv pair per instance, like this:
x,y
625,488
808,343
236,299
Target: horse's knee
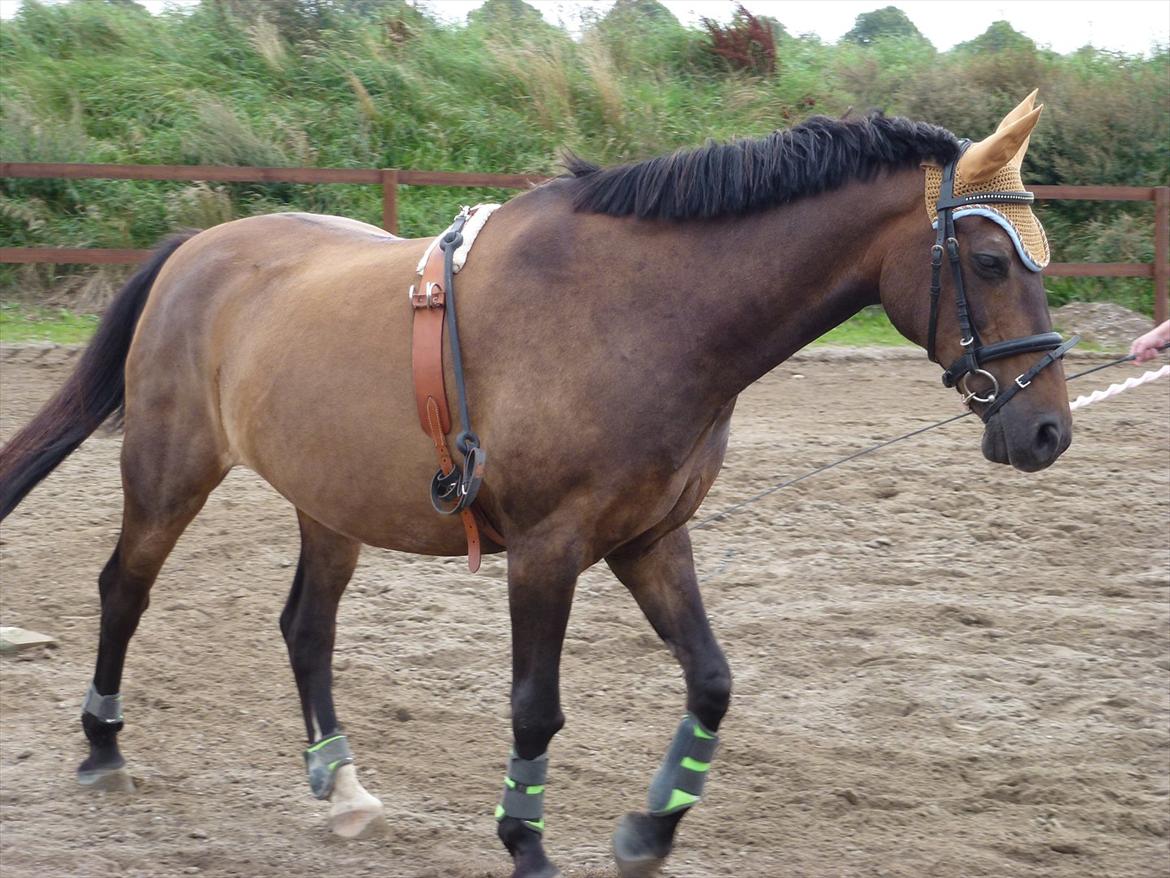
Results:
x,y
709,694
534,722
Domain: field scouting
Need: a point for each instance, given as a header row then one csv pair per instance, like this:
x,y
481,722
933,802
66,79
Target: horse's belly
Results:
x,y
336,433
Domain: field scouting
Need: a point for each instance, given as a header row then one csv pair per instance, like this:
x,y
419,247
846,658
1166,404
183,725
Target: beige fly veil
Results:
x,y
993,165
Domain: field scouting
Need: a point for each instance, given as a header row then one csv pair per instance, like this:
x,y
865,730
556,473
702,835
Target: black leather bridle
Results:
x,y
975,353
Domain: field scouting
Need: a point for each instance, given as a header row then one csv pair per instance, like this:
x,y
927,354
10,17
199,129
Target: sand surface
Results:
x,y
942,667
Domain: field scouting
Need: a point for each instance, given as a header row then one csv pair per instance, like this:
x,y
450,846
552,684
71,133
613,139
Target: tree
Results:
x,y
507,13
999,37
881,23
635,12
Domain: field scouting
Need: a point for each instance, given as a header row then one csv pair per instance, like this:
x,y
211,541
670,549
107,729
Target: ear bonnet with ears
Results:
x,y
993,165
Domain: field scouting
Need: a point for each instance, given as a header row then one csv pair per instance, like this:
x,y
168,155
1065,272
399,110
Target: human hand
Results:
x,y
1145,347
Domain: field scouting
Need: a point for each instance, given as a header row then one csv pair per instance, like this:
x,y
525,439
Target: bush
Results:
x,y
375,83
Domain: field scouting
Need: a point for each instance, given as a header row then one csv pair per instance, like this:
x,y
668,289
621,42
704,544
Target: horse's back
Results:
x,y
248,294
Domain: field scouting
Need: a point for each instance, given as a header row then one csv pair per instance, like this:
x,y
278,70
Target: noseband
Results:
x,y
975,353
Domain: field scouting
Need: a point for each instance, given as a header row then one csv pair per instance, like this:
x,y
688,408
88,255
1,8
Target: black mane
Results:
x,y
722,179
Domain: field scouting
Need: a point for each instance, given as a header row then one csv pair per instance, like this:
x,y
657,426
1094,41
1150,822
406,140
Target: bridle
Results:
x,y
975,353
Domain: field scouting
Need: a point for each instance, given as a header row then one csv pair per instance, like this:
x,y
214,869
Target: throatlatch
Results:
x,y
678,784
524,791
322,761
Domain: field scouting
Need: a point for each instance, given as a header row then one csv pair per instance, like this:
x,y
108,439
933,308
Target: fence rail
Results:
x,y
391,178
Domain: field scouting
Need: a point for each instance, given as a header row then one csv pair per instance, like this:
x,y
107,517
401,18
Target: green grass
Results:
x,y
20,323
870,327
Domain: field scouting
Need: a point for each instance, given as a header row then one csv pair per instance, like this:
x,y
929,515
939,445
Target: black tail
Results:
x,y
90,395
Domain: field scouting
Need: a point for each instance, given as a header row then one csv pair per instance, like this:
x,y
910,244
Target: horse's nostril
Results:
x,y
1047,439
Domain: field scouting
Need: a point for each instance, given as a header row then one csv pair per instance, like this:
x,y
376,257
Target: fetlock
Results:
x,y
101,720
323,759
520,816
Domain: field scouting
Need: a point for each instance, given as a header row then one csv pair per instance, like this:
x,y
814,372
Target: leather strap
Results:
x,y
1025,379
1011,196
428,300
1044,341
487,528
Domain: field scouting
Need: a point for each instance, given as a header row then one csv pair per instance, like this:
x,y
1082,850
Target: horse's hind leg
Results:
x,y
309,623
662,580
165,479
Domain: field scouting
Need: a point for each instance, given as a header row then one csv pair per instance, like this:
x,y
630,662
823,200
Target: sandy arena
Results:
x,y
943,668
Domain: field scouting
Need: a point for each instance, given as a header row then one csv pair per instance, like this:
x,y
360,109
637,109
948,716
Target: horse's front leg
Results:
x,y
661,577
540,594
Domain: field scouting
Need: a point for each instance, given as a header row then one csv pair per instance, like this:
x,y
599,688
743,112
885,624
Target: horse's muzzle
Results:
x,y
1030,446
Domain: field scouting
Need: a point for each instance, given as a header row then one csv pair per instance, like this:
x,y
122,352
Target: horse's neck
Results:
x,y
762,287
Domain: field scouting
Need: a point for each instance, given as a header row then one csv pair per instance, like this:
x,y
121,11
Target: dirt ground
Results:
x,y
943,668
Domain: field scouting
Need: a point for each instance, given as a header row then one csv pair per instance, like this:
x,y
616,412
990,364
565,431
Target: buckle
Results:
x,y
458,489
430,297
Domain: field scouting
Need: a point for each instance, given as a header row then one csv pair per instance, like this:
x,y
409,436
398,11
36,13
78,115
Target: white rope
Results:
x,y
1114,389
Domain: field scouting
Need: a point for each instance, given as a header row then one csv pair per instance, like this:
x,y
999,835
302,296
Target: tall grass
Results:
x,y
375,83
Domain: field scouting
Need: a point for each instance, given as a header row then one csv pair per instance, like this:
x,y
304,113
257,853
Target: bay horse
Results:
x,y
609,319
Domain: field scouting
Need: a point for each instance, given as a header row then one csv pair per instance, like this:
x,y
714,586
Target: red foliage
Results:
x,y
746,43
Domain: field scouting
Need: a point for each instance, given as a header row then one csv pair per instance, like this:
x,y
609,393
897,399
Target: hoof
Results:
x,y
649,868
107,780
357,821
354,812
634,856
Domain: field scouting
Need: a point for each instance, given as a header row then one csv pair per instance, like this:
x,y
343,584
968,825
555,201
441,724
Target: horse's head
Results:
x,y
983,314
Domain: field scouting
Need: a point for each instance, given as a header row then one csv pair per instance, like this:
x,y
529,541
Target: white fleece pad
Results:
x,y
471,230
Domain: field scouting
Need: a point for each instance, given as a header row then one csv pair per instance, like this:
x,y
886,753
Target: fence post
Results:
x,y
390,200
1161,253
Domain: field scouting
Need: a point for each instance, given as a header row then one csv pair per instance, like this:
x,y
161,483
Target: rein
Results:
x,y
975,353
706,522
457,490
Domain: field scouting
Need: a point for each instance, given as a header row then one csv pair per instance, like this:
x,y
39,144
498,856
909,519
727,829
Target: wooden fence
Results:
x,y
391,178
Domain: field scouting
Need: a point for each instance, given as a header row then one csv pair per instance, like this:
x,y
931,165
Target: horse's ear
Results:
x,y
1018,158
1023,108
1004,147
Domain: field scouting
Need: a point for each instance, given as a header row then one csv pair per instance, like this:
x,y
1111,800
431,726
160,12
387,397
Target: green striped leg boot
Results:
x,y
524,791
639,843
322,761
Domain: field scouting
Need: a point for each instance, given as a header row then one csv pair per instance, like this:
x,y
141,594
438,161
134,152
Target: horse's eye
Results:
x,y
991,264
